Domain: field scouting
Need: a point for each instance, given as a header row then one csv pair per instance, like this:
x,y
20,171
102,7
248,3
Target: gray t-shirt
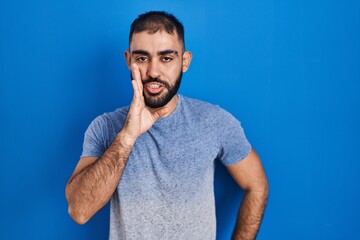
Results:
x,y
166,190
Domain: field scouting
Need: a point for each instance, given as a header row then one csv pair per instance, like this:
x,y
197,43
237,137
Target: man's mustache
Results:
x,y
150,80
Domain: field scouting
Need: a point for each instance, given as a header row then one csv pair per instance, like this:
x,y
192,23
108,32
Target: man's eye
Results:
x,y
166,59
141,59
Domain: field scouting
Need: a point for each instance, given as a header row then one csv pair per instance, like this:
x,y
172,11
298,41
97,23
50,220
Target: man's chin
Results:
x,y
157,101
153,102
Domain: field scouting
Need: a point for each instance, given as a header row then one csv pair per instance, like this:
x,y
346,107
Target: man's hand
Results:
x,y
140,118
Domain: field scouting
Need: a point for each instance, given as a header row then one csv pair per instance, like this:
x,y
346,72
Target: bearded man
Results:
x,y
154,160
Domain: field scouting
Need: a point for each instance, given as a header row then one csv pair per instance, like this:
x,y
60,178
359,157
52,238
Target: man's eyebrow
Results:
x,y
168,51
163,52
141,52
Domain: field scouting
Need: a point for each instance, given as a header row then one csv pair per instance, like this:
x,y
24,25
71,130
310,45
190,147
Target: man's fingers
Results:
x,y
136,89
136,74
160,113
136,82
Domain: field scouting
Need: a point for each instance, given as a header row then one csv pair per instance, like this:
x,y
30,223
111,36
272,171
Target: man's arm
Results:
x,y
95,179
250,176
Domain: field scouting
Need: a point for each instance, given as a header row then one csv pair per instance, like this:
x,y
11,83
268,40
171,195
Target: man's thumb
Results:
x,y
161,113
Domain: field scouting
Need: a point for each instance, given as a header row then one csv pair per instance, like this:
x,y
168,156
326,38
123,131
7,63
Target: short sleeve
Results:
x,y
95,138
234,144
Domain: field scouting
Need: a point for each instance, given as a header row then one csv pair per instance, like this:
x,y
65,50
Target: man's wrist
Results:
x,y
125,139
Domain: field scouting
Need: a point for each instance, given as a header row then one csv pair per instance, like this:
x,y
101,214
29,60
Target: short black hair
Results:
x,y
155,21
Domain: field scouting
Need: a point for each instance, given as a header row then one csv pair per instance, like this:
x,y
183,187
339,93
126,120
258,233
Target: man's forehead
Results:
x,y
156,41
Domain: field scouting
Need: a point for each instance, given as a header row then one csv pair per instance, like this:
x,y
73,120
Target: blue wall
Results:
x,y
289,70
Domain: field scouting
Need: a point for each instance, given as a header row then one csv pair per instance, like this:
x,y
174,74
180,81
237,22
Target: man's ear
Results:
x,y
187,56
127,56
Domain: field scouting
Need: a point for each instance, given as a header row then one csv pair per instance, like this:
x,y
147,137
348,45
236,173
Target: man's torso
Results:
x,y
166,189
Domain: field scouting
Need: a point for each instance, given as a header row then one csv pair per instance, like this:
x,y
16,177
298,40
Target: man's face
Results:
x,y
161,62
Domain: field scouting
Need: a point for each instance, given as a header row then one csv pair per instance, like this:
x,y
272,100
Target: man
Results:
x,y
155,158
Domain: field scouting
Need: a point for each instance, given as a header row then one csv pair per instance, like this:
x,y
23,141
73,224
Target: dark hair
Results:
x,y
155,21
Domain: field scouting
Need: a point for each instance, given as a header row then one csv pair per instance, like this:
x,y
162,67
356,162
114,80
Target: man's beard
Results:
x,y
159,100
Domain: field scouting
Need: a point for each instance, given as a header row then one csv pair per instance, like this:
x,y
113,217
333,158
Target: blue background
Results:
x,y
289,70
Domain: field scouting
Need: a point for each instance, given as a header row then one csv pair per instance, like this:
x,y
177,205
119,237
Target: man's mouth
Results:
x,y
154,87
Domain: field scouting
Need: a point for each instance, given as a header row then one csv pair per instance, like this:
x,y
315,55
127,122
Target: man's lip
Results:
x,y
153,87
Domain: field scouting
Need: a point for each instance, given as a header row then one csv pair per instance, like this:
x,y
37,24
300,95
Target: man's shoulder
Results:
x,y
202,107
113,119
198,104
208,113
117,114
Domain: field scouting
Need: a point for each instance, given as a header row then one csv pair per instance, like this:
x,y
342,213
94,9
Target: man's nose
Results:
x,y
153,70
